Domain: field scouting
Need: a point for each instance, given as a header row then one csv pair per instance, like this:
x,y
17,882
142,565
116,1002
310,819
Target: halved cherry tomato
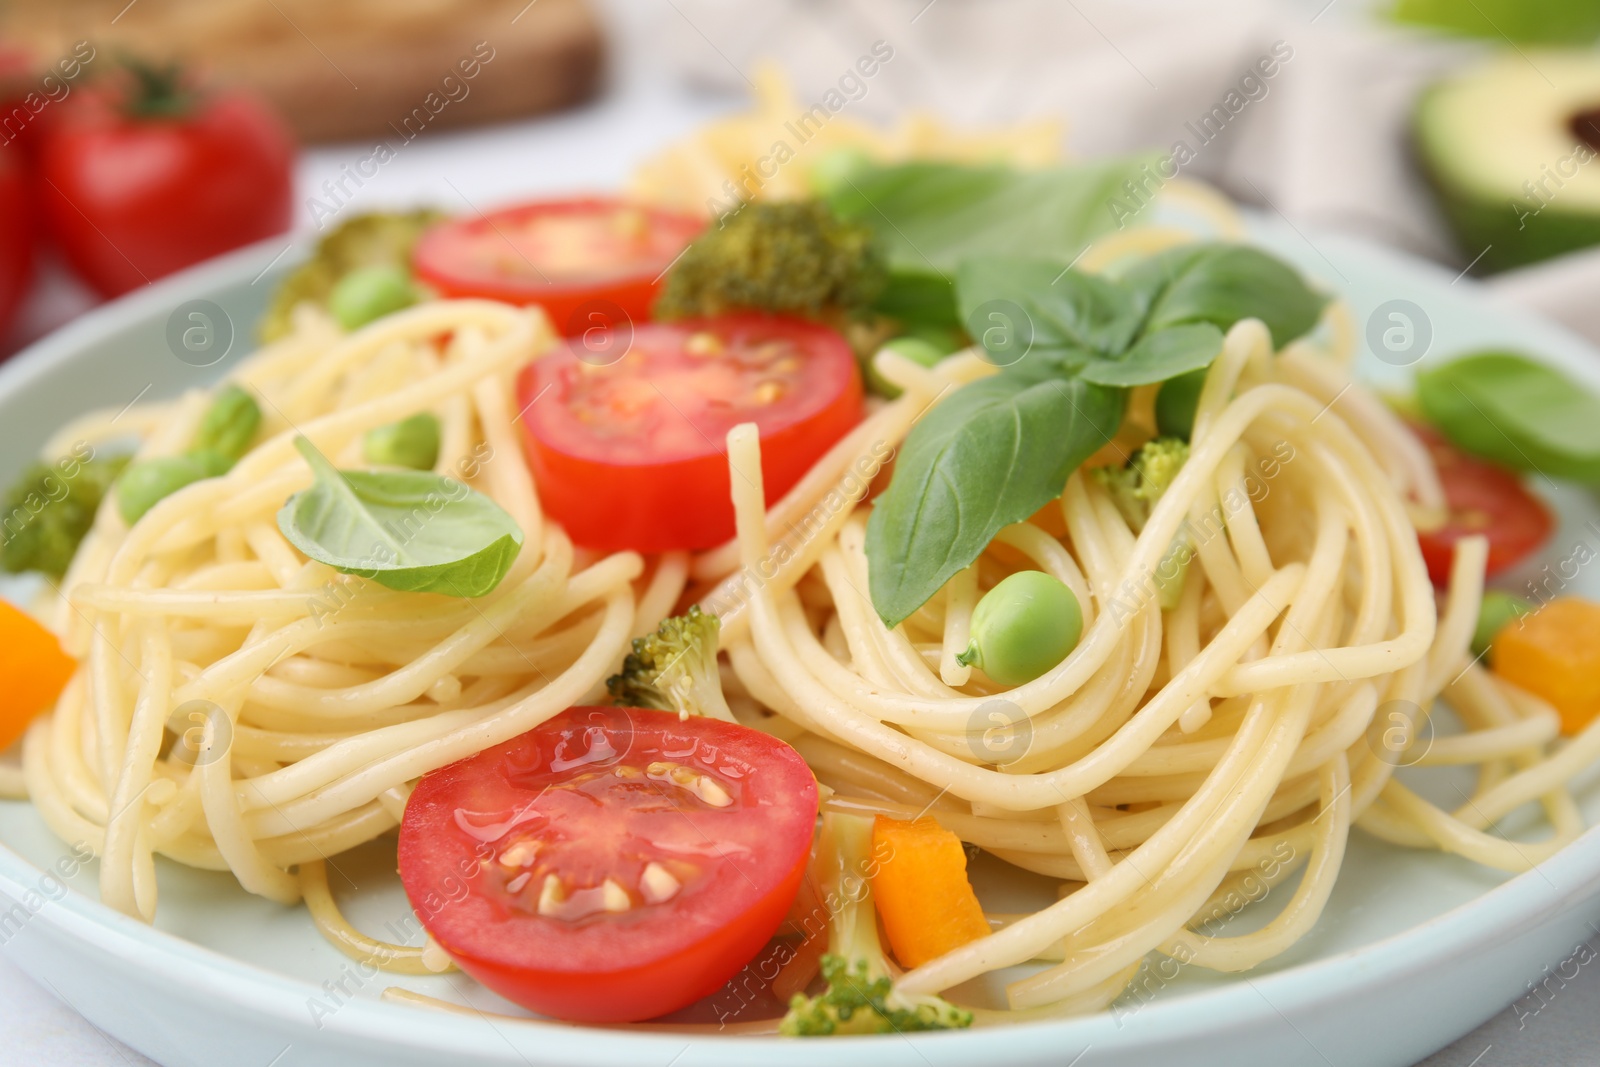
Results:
x,y
612,865
571,256
1483,499
626,433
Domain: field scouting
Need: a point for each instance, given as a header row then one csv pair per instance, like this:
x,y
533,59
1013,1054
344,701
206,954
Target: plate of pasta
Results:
x,y
939,599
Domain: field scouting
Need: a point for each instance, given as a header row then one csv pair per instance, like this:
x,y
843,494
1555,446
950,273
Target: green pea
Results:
x,y
412,442
213,463
1176,402
1497,611
147,483
834,169
367,294
1023,627
230,424
919,350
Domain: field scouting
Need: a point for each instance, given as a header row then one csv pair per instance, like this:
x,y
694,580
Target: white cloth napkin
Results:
x,y
1324,140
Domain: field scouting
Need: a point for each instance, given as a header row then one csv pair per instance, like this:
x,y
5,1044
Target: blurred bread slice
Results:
x,y
346,69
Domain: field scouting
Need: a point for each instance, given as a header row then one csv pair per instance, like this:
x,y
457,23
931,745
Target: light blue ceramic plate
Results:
x,y
1415,948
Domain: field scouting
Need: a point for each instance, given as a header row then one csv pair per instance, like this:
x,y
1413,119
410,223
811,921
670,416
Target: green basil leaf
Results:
x,y
1517,412
413,531
930,216
1158,356
1092,311
1062,307
992,454
918,301
1060,362
1176,403
1221,284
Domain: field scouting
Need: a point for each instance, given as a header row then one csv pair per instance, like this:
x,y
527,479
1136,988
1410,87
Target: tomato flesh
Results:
x,y
1481,499
612,865
626,435
575,257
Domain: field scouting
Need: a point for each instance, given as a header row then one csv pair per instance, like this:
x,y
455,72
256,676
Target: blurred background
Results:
x,y
1459,130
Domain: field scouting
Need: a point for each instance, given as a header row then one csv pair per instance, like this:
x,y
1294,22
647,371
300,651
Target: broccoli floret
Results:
x,y
792,257
374,240
861,997
675,669
858,1004
1136,488
48,511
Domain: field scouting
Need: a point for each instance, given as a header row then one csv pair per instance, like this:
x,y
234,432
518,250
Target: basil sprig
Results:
x,y
991,454
1069,345
1221,284
1081,324
414,531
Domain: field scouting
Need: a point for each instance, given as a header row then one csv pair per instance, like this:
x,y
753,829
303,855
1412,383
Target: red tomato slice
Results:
x,y
1483,499
612,865
562,254
628,449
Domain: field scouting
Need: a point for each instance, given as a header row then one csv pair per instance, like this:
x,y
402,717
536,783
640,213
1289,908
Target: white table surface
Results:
x,y
586,148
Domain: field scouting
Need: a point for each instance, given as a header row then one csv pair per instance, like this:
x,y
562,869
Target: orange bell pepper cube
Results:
x,y
920,885
33,672
1554,653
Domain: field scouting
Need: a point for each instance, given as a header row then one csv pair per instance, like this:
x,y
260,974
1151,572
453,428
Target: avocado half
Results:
x,y
1512,146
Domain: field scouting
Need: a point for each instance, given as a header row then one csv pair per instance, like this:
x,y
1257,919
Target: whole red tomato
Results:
x,y
144,180
31,94
16,234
